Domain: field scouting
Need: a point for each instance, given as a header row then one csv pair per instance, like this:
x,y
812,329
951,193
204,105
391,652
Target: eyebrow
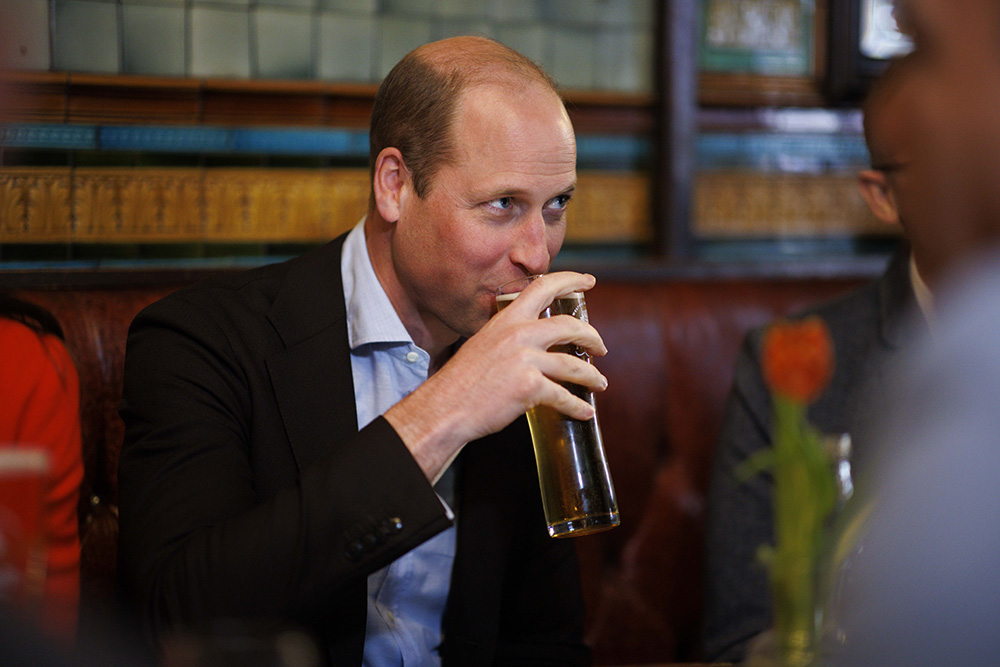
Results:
x,y
514,192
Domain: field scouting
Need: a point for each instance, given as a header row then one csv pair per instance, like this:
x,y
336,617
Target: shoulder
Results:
x,y
251,294
35,366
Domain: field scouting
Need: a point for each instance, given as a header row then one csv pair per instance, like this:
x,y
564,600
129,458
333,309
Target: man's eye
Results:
x,y
502,203
559,202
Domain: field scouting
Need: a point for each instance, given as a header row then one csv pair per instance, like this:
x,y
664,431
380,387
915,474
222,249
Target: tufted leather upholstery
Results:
x,y
673,344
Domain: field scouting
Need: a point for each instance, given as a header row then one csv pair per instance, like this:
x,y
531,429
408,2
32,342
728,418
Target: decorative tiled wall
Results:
x,y
157,205
584,44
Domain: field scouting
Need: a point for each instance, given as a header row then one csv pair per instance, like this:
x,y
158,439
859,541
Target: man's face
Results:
x,y
956,116
896,145
495,213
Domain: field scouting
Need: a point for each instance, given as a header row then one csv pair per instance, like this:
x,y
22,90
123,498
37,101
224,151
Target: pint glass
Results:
x,y
577,494
23,474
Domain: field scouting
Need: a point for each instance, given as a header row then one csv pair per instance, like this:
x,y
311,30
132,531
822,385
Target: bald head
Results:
x,y
415,106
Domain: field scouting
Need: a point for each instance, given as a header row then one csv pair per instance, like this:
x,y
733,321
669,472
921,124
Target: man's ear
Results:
x,y
388,180
878,195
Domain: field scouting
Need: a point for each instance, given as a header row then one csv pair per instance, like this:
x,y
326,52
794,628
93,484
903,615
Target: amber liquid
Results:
x,y
578,496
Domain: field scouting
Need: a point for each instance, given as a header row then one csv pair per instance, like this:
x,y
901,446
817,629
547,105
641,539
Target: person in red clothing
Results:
x,y
40,409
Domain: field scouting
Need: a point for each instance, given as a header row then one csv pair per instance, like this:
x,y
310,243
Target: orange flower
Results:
x,y
798,359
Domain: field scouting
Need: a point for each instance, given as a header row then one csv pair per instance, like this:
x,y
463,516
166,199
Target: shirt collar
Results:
x,y
370,315
925,298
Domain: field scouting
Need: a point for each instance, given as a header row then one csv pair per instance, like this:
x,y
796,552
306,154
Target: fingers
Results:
x,y
568,368
542,291
565,402
568,384
561,330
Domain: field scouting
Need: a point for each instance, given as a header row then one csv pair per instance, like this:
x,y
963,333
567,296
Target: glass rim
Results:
x,y
525,280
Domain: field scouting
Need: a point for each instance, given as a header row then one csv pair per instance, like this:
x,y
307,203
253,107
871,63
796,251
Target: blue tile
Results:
x,y
63,137
612,151
806,153
164,139
86,36
153,39
334,143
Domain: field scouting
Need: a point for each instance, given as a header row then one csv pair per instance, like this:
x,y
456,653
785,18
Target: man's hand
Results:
x,y
500,373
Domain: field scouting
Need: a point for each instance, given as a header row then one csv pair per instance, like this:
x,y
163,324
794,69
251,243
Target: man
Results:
x,y
291,432
869,327
922,588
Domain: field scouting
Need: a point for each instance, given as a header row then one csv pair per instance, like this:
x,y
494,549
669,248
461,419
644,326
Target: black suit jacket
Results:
x,y
869,327
246,489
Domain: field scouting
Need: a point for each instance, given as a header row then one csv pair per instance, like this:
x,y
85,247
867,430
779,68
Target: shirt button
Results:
x,y
412,357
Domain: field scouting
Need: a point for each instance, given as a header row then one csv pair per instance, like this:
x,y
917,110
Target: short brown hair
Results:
x,y
415,106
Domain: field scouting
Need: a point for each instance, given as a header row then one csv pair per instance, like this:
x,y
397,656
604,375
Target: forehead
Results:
x,y
501,122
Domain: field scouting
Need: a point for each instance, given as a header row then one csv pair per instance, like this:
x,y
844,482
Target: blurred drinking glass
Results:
x,y
23,473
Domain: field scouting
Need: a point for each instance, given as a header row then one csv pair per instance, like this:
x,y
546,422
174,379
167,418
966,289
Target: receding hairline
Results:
x,y
479,60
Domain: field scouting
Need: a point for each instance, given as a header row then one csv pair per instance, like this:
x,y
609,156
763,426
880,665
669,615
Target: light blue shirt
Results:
x,y
406,599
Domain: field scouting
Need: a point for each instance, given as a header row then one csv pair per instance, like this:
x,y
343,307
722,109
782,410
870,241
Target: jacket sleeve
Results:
x,y
206,532
739,522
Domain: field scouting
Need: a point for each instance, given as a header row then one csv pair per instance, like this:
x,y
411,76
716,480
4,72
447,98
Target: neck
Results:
x,y
427,331
923,293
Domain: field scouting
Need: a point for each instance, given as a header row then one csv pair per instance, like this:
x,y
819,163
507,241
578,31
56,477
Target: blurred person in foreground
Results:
x,y
296,436
41,409
871,327
922,589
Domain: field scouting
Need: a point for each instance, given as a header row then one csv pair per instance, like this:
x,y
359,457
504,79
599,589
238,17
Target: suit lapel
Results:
x,y
897,305
311,376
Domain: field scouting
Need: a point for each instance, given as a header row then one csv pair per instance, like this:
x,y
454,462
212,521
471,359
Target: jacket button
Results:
x,y
391,526
372,540
354,550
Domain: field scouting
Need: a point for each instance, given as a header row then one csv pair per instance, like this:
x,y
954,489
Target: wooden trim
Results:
x,y
854,268
715,89
677,57
235,205
128,99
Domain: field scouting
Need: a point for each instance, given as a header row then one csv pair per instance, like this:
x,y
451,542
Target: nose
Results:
x,y
530,249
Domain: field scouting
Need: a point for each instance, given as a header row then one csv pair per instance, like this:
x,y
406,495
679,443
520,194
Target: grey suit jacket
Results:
x,y
247,491
868,327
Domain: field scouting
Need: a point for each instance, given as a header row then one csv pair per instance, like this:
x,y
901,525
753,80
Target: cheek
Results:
x,y
554,238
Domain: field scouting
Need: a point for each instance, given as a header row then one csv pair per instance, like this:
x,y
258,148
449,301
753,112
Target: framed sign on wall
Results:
x,y
761,52
864,36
